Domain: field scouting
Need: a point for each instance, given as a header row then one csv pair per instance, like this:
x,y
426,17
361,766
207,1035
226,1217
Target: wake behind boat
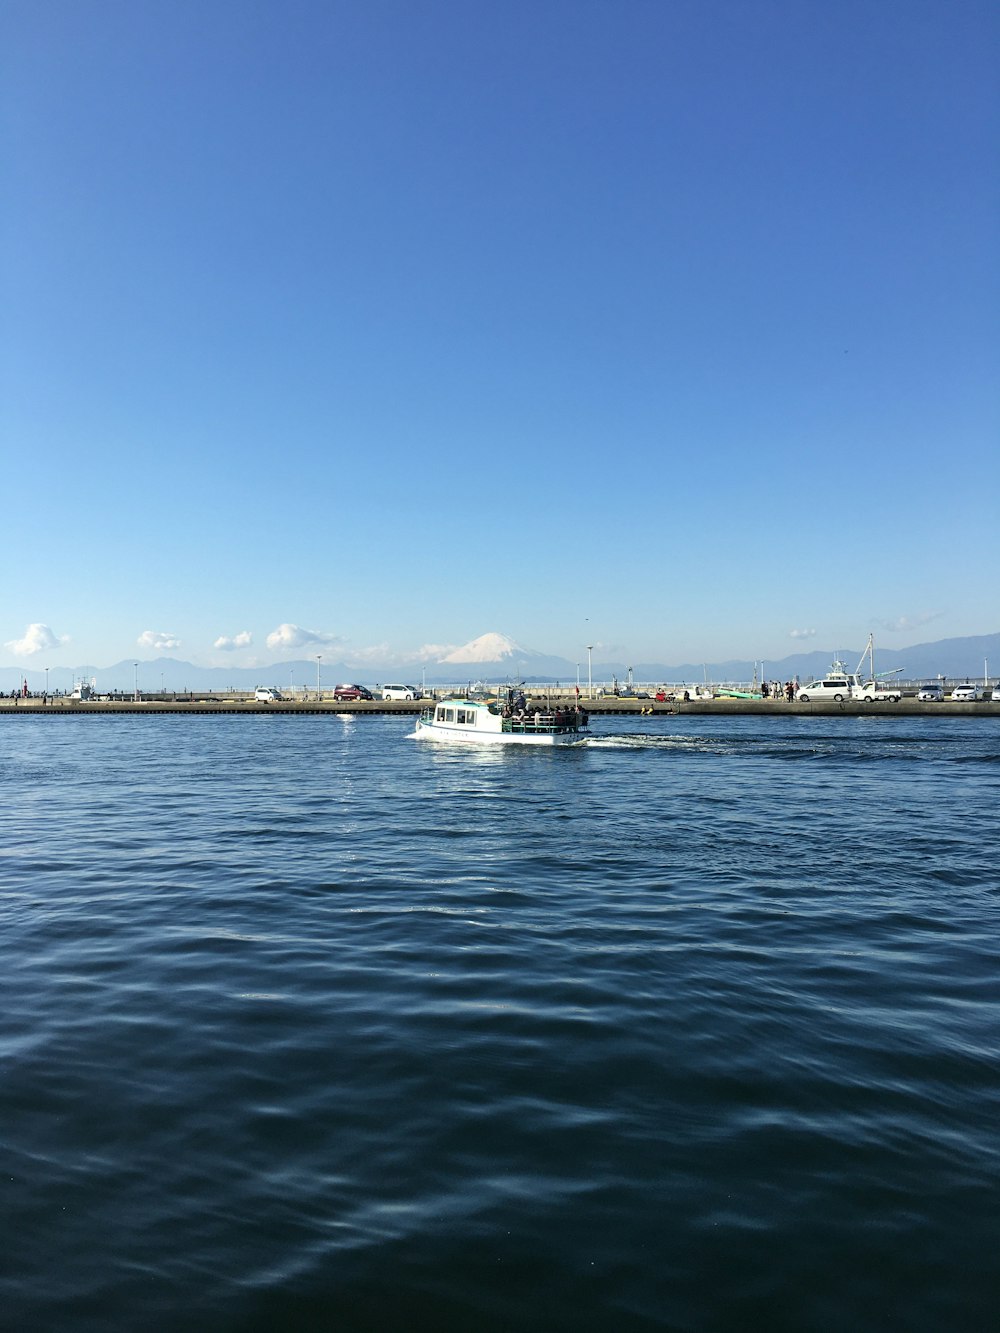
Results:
x,y
482,722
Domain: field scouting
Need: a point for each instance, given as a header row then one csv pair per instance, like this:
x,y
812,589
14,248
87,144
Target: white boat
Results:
x,y
482,722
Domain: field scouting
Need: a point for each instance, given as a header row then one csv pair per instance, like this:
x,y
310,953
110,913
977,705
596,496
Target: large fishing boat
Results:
x,y
489,722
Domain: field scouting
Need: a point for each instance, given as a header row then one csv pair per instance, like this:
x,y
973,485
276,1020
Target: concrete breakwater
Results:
x,y
233,705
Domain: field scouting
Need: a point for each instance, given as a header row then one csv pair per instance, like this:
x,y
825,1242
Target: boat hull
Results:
x,y
464,736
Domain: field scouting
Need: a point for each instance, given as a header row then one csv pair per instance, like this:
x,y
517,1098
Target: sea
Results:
x,y
308,1025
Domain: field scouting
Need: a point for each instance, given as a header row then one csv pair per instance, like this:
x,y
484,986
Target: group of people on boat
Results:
x,y
516,710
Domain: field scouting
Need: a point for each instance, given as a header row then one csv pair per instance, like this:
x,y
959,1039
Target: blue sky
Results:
x,y
671,327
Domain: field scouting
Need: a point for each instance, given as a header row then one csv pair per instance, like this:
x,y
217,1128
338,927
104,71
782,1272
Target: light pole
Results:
x,y
135,696
590,673
578,680
46,682
319,693
162,690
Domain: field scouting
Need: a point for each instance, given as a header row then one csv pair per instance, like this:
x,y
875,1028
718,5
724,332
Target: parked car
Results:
x,y
348,692
263,695
965,693
399,692
931,694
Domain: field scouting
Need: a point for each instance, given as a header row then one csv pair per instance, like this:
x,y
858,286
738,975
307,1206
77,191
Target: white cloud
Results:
x,y
37,639
801,633
903,624
294,636
432,652
241,640
157,639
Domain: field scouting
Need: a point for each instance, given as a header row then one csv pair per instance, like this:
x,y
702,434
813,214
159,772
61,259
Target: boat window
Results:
x,y
440,715
467,717
449,715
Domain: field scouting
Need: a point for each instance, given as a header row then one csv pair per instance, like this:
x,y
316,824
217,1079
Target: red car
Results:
x,y
351,692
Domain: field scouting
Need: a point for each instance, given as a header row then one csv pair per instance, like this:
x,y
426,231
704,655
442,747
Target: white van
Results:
x,y
837,688
262,695
399,692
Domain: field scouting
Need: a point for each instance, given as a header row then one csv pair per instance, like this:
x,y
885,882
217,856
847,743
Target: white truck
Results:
x,y
873,692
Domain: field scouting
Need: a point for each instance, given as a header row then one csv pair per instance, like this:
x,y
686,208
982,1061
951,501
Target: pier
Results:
x,y
242,705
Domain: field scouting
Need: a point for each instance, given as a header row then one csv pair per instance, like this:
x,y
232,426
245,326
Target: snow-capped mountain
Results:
x,y
488,648
498,657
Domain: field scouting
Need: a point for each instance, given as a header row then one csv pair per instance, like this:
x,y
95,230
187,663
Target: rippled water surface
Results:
x,y
308,1025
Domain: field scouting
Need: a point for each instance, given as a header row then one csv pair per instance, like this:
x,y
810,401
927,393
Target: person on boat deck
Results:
x,y
521,702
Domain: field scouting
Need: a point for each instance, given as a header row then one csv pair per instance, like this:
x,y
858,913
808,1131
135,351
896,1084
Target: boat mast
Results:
x,y
870,654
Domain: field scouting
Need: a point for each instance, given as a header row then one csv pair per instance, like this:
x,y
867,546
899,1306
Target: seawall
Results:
x,y
235,706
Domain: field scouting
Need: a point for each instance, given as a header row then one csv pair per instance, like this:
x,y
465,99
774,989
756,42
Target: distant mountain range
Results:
x,y
497,658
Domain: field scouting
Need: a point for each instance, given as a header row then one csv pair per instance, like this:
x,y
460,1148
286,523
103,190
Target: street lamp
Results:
x,y
135,695
578,679
590,673
46,682
319,693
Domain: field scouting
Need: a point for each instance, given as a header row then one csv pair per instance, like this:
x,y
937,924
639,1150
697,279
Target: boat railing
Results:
x,y
545,724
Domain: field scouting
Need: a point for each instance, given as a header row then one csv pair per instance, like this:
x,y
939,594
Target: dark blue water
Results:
x,y
306,1025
